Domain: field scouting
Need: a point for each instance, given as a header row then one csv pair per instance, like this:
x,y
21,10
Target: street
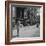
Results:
x,y
28,31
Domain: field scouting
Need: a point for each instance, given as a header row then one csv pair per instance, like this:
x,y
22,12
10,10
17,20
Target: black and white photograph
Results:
x,y
25,21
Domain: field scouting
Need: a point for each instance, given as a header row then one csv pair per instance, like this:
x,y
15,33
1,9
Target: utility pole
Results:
x,y
18,29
